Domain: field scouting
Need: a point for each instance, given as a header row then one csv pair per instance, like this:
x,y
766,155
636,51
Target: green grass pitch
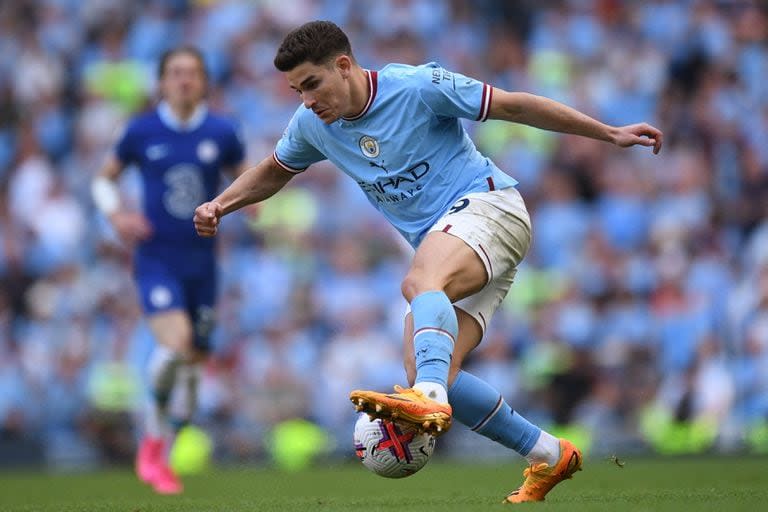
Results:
x,y
716,484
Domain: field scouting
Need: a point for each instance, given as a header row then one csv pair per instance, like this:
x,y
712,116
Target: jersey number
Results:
x,y
185,190
460,205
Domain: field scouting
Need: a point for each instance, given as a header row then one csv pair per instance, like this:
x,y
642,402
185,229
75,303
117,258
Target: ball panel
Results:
x,y
390,449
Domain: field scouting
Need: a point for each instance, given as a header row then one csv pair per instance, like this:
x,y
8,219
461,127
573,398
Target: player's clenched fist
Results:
x,y
207,217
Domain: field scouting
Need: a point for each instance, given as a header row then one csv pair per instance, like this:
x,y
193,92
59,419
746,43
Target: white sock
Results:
x,y
433,391
162,374
156,421
546,449
185,390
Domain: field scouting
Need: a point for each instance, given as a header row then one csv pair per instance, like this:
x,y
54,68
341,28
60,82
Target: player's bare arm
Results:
x,y
254,185
251,210
548,114
235,171
130,226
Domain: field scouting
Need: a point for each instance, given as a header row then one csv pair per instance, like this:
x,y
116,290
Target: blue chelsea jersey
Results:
x,y
180,169
407,149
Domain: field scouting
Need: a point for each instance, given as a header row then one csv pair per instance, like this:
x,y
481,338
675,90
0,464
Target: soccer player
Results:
x,y
180,149
397,133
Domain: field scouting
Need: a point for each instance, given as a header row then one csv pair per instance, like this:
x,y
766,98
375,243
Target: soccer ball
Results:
x,y
390,449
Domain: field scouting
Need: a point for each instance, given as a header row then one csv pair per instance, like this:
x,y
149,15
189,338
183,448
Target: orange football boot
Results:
x,y
405,405
540,478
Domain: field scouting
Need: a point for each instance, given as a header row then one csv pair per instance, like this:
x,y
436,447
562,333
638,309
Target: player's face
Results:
x,y
323,88
183,82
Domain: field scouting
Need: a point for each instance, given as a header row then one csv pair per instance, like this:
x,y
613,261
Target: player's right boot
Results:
x,y
405,405
541,478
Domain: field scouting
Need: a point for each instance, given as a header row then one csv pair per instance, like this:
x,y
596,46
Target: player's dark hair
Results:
x,y
316,42
181,50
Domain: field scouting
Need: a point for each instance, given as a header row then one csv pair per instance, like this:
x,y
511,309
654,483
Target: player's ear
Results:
x,y
344,65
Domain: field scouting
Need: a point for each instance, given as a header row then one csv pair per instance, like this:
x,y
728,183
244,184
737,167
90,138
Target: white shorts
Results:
x,y
496,225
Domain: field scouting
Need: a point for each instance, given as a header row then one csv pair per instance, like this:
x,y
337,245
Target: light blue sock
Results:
x,y
480,407
434,331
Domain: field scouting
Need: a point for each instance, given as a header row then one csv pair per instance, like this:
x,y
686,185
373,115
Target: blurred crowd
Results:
x,y
639,318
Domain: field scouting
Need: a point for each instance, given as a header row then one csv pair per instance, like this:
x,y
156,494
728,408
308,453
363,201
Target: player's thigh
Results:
x,y
444,262
470,334
496,227
173,329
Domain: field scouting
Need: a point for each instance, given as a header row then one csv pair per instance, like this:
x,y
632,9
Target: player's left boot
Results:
x,y
150,455
541,478
405,405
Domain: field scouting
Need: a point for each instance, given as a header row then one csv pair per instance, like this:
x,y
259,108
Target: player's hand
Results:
x,y
131,227
641,134
207,217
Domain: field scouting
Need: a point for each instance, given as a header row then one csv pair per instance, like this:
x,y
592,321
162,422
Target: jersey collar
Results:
x,y
373,84
173,122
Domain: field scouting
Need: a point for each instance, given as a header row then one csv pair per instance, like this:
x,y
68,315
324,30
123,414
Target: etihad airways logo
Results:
x,y
398,187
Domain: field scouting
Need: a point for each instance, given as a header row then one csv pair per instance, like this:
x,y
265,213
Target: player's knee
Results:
x,y
416,283
185,354
408,287
185,349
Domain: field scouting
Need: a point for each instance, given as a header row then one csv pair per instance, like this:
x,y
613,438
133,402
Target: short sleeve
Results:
x,y
235,153
294,152
452,94
126,147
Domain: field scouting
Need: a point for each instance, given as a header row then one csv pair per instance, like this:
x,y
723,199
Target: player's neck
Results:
x,y
359,92
184,118
183,112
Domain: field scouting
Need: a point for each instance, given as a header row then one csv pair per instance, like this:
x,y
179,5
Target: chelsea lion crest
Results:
x,y
369,146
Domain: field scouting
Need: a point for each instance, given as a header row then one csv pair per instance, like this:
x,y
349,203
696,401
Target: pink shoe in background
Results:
x,y
152,468
165,481
149,458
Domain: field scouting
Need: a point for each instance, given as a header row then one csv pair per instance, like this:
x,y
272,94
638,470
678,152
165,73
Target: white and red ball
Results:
x,y
391,449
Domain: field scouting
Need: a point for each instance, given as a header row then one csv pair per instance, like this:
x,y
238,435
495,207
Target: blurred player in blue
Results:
x,y
180,149
397,133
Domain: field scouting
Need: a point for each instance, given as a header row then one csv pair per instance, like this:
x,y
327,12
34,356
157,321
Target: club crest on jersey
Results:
x,y
207,151
160,297
369,146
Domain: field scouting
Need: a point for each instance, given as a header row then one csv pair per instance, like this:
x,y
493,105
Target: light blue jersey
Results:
x,y
407,149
